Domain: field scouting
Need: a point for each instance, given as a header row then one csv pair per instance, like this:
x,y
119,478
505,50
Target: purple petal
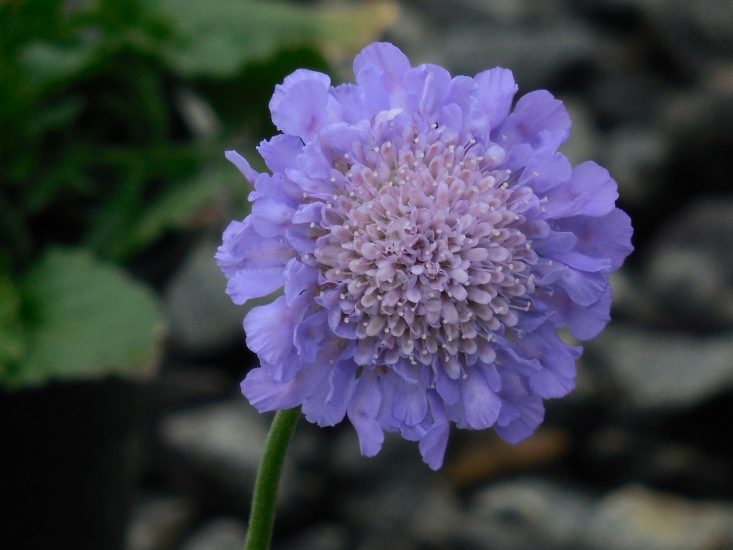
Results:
x,y
521,411
556,377
427,86
242,165
584,322
298,105
590,192
546,170
266,393
300,283
434,442
246,284
583,288
362,412
410,404
270,330
280,151
492,99
539,120
607,237
243,247
480,403
309,334
270,216
349,98
327,405
382,65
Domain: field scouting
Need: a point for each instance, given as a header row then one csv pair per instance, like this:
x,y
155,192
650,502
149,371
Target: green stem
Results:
x,y
262,513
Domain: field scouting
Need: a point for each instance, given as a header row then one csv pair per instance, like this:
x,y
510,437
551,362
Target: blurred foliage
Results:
x,y
86,318
114,117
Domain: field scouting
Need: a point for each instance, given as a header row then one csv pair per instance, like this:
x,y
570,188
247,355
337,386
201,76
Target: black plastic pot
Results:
x,y
72,453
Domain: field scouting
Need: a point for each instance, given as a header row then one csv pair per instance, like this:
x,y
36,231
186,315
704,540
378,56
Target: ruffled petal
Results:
x,y
604,238
583,288
244,248
492,99
327,405
435,440
300,283
410,403
242,165
246,284
538,119
379,70
427,87
363,410
280,151
266,393
590,191
480,404
584,322
521,411
298,106
309,334
270,330
270,216
556,375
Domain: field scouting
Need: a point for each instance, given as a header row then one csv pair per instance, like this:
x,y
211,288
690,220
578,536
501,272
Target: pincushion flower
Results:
x,y
429,241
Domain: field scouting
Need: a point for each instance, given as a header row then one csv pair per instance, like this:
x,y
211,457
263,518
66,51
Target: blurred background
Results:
x,y
120,355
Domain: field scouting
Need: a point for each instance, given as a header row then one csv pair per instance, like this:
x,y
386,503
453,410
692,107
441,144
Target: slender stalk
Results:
x,y
262,513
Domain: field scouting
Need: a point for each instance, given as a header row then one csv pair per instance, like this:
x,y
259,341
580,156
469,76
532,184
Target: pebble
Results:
x,y
636,518
661,371
201,317
218,534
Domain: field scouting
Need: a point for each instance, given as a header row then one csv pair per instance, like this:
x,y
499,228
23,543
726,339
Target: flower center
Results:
x,y
427,251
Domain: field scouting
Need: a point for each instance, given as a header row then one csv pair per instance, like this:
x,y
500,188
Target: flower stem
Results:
x,y
262,513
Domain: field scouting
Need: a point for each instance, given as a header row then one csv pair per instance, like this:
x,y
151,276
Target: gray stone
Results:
x,y
200,315
320,537
219,534
690,270
394,497
583,142
535,57
525,513
496,11
635,453
534,39
654,371
695,31
214,450
159,523
635,518
635,157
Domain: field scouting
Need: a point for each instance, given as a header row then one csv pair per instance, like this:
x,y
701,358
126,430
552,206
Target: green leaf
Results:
x,y
216,38
46,63
12,342
86,319
182,206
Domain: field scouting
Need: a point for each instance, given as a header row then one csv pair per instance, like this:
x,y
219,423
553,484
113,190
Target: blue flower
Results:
x,y
429,241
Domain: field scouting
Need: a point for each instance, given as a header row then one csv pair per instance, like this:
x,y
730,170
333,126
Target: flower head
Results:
x,y
430,241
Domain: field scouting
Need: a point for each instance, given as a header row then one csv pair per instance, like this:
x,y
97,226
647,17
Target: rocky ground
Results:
x,y
639,456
